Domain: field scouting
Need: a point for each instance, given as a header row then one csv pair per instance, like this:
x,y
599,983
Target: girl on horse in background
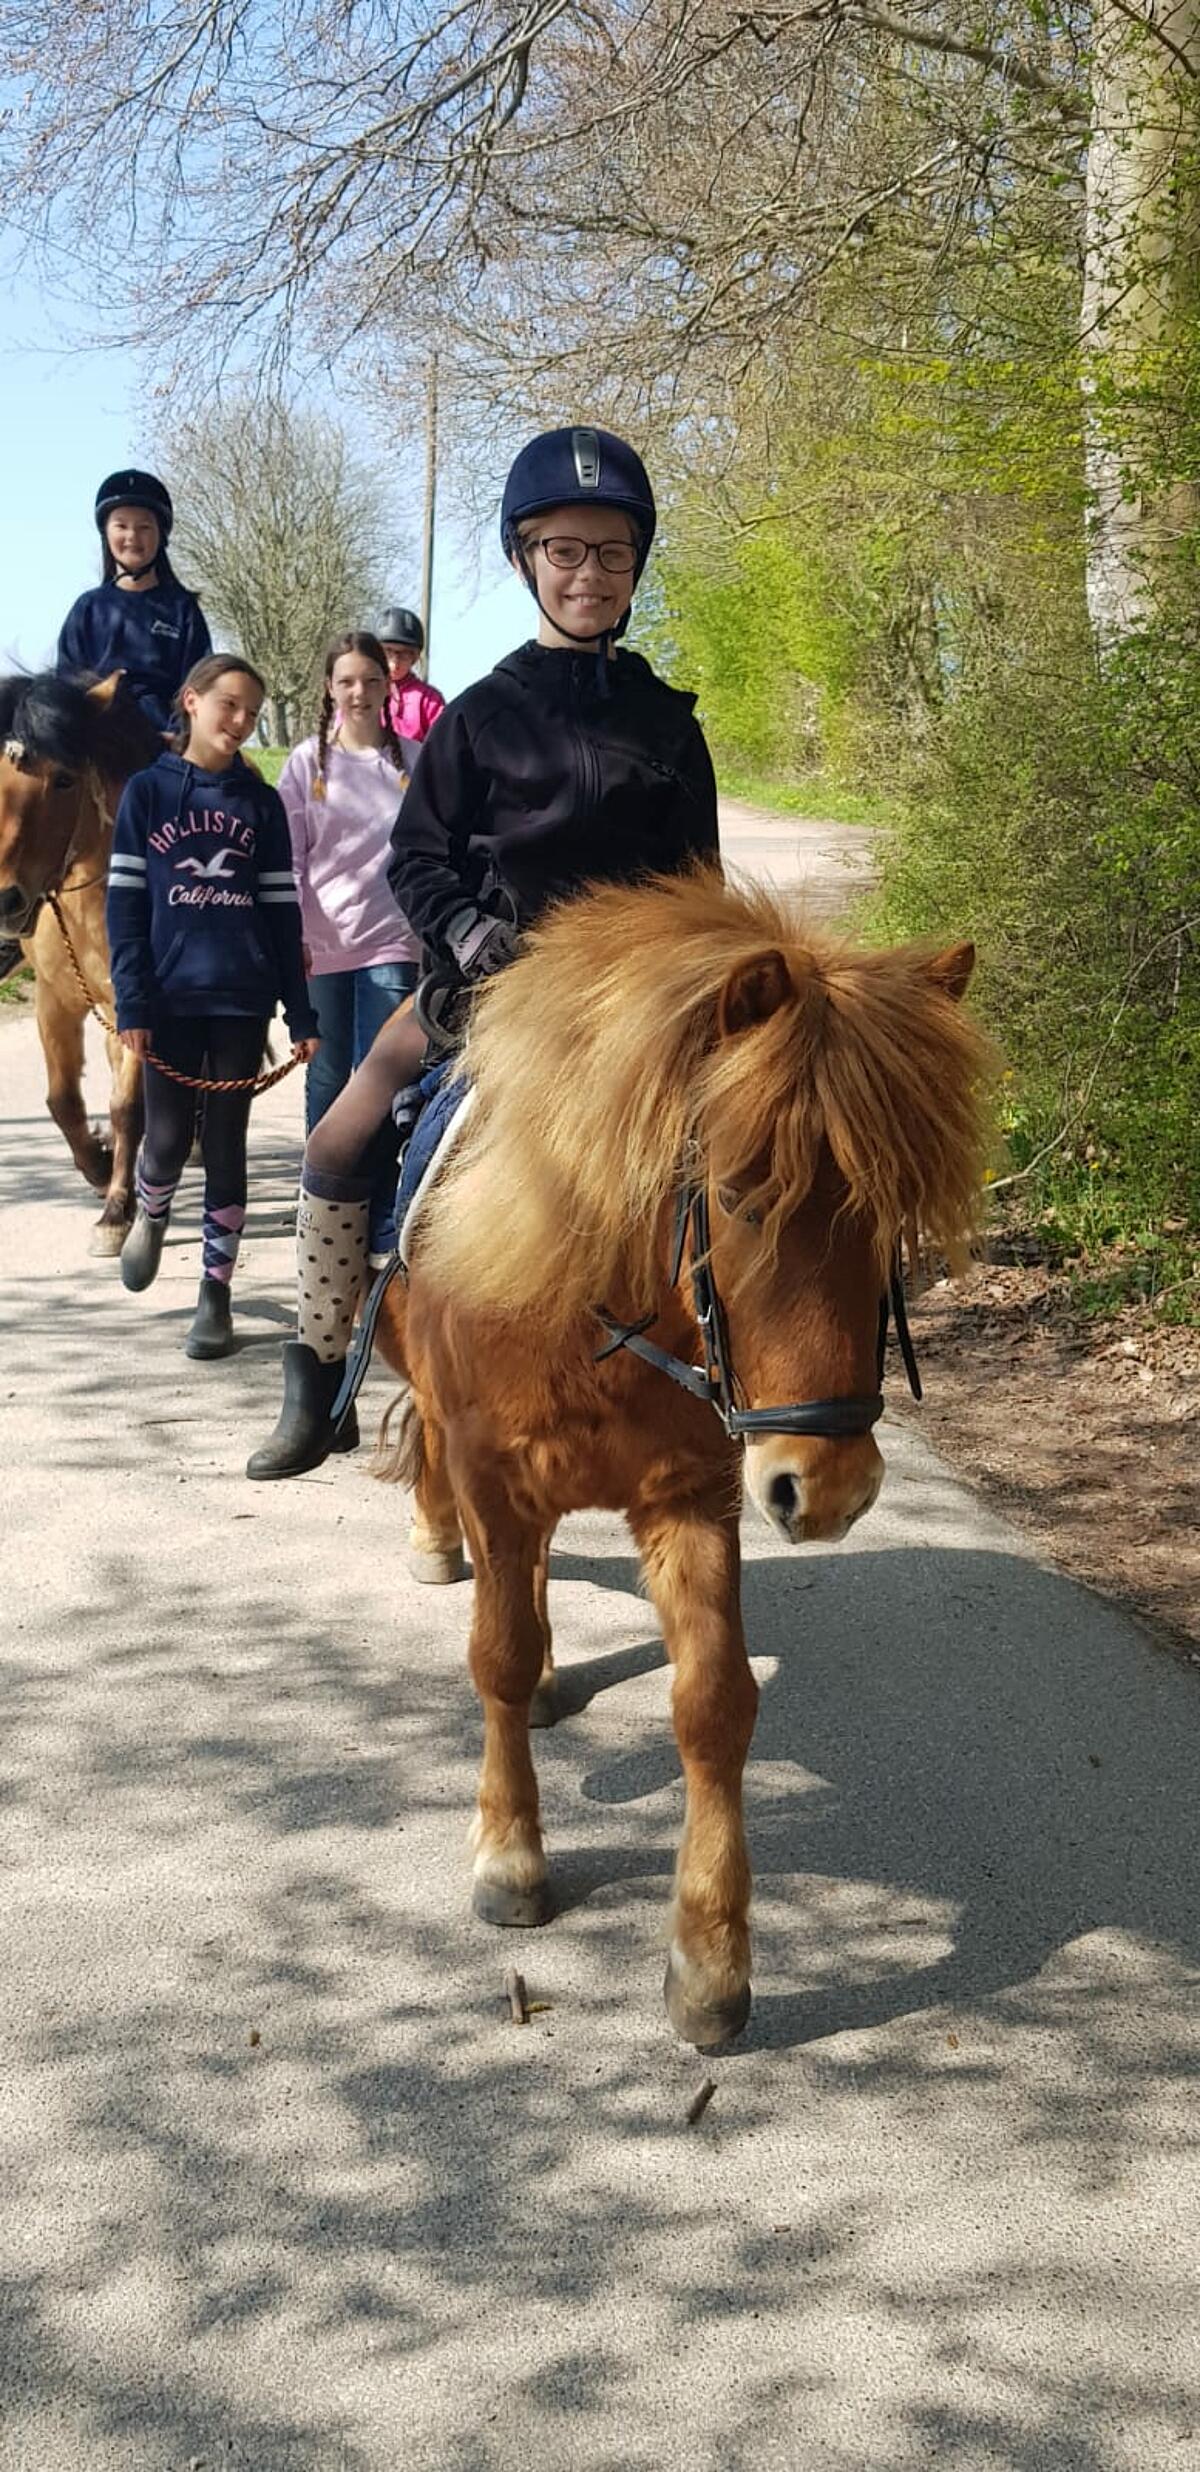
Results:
x,y
341,793
139,619
570,764
204,924
413,703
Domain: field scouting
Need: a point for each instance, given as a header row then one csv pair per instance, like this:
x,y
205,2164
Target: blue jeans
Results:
x,y
351,1008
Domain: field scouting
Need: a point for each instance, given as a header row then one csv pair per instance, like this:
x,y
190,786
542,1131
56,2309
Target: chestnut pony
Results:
x,y
67,748
820,1099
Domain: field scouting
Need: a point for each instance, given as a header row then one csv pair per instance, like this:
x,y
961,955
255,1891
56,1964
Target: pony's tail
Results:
x,y
400,1457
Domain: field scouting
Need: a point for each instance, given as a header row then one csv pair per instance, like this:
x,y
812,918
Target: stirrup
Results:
x,y
364,1340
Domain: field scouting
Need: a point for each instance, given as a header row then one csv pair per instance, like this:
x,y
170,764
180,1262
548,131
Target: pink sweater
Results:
x,y
415,706
340,852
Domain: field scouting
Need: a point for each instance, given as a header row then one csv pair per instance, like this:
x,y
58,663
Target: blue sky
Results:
x,y
72,415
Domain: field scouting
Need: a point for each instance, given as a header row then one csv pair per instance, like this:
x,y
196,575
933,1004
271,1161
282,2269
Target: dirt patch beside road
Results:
x,y
1084,1434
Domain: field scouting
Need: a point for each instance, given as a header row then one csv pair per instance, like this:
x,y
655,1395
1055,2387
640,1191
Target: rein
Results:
x,y
254,1082
716,1381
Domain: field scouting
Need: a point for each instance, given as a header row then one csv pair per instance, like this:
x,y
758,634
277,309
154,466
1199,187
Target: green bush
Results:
x,y
1054,815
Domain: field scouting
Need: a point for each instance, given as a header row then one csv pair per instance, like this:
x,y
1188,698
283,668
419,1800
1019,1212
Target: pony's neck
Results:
x,y
91,842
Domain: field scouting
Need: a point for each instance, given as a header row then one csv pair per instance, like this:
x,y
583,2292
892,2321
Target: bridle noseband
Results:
x,y
716,1382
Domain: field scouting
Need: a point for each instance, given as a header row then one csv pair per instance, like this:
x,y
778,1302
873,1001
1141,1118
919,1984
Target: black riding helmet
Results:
x,y
401,626
136,489
577,467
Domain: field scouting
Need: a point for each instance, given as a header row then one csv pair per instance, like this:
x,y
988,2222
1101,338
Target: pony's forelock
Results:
x,y
58,722
599,1058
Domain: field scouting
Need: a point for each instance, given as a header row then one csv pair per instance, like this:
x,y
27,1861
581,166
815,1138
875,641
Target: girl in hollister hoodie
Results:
x,y
204,927
342,790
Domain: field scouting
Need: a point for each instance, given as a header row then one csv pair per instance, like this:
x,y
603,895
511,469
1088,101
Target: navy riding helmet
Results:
x,y
577,467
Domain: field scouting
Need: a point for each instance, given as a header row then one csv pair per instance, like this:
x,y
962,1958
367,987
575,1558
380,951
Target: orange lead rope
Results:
x,y
255,1082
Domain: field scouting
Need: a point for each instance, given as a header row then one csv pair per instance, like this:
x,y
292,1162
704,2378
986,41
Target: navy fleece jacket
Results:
x,y
155,637
203,913
552,777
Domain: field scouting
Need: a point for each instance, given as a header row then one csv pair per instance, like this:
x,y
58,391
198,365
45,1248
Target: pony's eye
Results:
x,y
734,1207
63,781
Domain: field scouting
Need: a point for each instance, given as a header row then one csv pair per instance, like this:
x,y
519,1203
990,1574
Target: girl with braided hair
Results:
x,y
342,790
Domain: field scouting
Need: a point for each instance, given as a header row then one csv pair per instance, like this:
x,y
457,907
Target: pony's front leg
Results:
x,y
507,1649
60,1029
543,1707
116,1218
692,1565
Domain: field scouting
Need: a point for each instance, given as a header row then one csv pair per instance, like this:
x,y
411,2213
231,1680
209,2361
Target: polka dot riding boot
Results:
x,y
331,1264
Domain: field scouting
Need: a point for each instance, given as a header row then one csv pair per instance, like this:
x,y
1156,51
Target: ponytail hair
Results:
x,y
356,639
201,676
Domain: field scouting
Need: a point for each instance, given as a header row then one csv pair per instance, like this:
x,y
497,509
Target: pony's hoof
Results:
x,y
544,1709
512,1909
107,1239
437,1566
709,2029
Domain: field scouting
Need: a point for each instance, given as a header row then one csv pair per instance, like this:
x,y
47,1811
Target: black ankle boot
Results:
x,y
304,1437
211,1333
141,1252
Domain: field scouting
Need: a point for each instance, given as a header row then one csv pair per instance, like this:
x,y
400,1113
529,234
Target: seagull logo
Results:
x,y
210,870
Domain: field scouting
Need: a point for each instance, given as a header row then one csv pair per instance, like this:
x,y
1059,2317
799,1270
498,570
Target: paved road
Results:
x,y
286,2192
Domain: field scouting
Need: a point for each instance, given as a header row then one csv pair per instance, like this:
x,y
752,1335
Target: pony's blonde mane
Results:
x,y
600,1054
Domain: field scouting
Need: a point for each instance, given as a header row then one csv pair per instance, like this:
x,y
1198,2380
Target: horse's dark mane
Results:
x,y
59,723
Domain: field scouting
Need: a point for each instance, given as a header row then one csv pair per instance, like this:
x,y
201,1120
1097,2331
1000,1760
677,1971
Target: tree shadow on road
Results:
x,y
294,2195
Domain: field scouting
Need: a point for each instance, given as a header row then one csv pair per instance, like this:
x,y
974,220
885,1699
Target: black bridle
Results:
x,y
715,1381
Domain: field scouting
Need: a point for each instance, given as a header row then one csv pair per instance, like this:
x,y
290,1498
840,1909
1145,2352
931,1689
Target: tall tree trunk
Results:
x,y
1138,281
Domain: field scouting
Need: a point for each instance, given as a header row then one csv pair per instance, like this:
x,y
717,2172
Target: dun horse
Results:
x,y
66,752
698,1132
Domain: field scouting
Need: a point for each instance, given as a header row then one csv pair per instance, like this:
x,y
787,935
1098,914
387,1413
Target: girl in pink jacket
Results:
x,y
342,790
414,705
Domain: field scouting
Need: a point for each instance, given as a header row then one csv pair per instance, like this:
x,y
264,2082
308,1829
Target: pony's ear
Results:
x,y
105,689
752,992
951,970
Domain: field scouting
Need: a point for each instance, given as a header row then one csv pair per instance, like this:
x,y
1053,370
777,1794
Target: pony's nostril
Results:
x,y
783,1495
12,902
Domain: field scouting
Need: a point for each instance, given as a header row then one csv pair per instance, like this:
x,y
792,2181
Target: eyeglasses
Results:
x,y
616,557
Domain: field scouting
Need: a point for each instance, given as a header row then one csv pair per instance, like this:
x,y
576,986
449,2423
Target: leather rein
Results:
x,y
716,1381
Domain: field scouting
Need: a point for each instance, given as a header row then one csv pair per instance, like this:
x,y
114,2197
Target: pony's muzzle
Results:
x,y
813,1490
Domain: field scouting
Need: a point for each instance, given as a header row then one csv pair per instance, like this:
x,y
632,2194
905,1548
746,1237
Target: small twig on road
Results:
x,y
700,2101
514,1985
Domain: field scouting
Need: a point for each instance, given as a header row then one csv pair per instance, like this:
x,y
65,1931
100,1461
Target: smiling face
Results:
x,y
358,686
221,718
132,535
588,600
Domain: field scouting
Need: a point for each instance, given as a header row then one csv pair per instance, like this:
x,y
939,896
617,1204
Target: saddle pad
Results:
x,y
447,1106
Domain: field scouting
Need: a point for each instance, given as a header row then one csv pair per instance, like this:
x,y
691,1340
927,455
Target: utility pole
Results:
x,y
431,422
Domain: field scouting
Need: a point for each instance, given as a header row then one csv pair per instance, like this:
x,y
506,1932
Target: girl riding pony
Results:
x,y
570,764
139,618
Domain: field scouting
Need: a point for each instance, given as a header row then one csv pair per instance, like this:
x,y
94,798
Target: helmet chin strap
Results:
x,y
134,575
